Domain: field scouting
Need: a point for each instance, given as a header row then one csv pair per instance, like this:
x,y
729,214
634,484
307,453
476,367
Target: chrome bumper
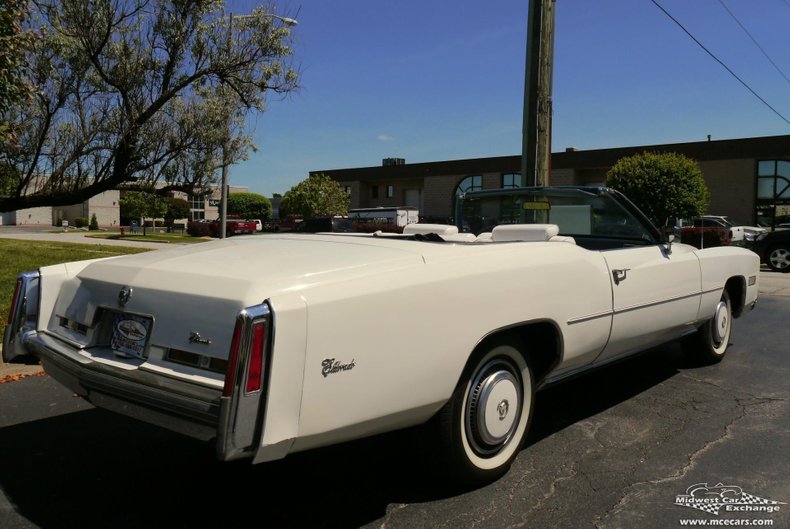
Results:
x,y
172,404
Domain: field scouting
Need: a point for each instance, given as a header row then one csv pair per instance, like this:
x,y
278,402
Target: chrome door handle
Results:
x,y
619,275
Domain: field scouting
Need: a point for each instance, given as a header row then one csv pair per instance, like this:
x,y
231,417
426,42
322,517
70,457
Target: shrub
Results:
x,y
249,206
94,224
665,185
81,222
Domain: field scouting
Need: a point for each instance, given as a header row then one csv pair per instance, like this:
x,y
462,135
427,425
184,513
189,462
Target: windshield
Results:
x,y
581,213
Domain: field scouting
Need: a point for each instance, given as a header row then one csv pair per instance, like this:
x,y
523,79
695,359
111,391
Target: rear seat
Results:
x,y
527,233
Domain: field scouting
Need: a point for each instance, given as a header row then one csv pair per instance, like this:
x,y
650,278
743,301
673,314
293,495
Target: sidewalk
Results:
x,y
78,237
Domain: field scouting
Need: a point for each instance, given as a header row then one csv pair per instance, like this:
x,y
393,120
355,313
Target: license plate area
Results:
x,y
129,334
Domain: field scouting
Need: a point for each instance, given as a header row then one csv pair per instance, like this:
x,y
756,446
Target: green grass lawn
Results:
x,y
151,237
21,256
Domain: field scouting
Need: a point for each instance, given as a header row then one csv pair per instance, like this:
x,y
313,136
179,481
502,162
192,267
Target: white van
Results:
x,y
400,216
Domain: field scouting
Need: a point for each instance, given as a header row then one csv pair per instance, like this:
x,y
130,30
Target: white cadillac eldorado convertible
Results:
x,y
280,343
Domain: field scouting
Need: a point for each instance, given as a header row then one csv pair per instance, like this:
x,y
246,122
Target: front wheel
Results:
x,y
709,344
484,423
779,258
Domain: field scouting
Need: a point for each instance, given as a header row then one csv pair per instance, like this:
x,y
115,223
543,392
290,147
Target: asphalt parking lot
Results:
x,y
614,449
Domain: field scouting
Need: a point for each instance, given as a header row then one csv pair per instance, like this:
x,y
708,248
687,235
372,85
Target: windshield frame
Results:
x,y
569,191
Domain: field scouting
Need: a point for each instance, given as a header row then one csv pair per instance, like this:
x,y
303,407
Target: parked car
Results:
x,y
325,224
290,222
309,341
773,247
704,233
271,226
258,224
740,232
233,226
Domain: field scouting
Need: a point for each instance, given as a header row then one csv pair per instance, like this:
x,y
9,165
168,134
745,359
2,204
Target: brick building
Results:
x,y
749,178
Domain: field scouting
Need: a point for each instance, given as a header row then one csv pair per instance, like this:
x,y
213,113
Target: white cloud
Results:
x,y
384,137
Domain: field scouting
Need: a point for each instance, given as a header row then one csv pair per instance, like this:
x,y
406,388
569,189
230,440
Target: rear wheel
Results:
x,y
779,258
484,423
709,344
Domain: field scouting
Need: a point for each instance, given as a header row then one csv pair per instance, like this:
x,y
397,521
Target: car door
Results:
x,y
656,296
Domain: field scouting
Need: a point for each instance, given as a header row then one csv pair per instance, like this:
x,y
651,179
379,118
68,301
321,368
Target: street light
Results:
x,y
223,215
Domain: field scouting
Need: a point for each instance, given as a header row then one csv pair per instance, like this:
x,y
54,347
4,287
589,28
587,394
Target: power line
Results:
x,y
754,40
749,88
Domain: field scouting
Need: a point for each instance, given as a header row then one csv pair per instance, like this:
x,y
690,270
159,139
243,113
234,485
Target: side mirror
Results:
x,y
669,237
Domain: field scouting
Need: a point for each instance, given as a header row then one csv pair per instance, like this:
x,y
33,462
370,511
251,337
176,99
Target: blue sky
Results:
x,y
438,80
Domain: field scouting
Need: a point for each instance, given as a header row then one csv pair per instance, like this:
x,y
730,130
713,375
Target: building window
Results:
x,y
773,179
773,192
374,191
510,180
390,191
470,183
197,207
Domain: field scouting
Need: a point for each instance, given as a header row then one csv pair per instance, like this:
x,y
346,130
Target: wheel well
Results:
x,y
540,343
736,288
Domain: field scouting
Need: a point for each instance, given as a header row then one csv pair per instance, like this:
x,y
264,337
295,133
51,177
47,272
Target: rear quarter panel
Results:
x,y
410,333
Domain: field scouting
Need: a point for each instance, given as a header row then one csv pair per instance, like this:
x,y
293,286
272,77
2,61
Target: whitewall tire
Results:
x,y
709,344
484,424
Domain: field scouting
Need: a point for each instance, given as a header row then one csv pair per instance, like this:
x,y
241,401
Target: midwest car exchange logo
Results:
x,y
729,497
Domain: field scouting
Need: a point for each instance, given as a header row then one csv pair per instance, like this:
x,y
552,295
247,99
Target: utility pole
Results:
x,y
223,211
536,139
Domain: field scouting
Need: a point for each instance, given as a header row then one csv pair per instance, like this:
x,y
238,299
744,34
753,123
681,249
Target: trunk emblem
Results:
x,y
194,337
124,296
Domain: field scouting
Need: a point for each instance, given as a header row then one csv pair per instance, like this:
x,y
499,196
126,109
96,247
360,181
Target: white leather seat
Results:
x,y
425,229
524,232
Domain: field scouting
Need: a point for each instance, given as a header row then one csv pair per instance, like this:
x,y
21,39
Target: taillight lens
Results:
x,y
12,311
255,372
233,360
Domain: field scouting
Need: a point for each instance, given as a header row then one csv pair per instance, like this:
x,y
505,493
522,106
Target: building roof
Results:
x,y
763,147
760,147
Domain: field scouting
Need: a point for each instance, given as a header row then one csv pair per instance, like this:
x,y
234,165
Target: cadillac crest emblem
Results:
x,y
124,296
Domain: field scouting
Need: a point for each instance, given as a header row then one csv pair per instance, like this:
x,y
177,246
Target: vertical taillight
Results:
x,y
17,291
253,358
244,399
233,360
255,371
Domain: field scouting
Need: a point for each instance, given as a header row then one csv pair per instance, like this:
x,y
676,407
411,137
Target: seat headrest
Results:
x,y
524,232
425,229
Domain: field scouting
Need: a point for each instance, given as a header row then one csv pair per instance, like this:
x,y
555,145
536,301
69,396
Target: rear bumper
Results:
x,y
172,404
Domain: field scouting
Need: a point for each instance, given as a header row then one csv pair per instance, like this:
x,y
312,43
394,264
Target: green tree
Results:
x,y
249,206
318,195
14,41
177,208
140,91
143,204
94,224
662,185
